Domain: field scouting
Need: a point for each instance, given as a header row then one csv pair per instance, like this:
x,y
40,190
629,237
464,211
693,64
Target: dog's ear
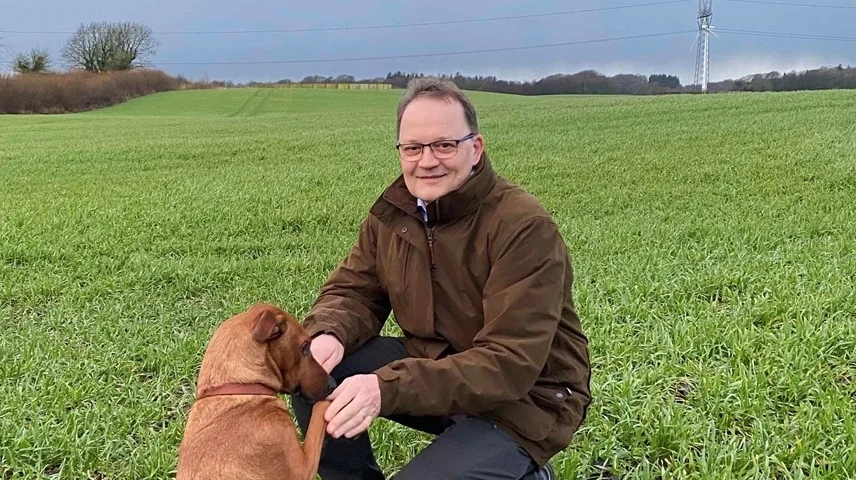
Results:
x,y
268,327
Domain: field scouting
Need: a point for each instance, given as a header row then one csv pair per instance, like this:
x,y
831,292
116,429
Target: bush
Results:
x,y
36,61
80,91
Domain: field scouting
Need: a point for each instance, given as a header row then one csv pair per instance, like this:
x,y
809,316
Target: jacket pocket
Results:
x,y
552,398
563,404
524,417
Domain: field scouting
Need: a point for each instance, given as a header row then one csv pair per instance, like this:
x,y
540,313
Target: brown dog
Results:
x,y
238,428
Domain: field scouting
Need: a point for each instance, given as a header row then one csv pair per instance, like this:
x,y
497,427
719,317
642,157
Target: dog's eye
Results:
x,y
304,349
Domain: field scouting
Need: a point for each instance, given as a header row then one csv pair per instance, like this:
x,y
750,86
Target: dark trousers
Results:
x,y
465,447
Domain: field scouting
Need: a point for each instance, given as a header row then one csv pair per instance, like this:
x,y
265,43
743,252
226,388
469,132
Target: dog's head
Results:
x,y
265,345
289,346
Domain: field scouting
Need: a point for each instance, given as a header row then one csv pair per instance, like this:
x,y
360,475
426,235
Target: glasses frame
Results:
x,y
444,156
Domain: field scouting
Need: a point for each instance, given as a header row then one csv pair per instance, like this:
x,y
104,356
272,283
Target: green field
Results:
x,y
714,241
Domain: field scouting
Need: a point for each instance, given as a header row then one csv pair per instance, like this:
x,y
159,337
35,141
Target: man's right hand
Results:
x,y
327,351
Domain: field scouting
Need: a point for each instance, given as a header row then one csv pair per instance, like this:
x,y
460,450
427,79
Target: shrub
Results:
x,y
79,91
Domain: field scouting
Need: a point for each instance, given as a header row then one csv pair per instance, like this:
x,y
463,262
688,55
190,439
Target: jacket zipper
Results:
x,y
431,247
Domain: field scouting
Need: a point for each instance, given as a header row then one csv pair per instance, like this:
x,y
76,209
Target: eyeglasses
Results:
x,y
443,149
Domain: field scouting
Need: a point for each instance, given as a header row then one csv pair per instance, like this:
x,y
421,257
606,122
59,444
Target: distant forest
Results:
x,y
591,82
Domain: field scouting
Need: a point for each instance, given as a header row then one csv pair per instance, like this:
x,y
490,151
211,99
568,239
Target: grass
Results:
x,y
712,238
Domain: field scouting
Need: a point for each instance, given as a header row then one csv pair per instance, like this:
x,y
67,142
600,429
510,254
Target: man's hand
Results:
x,y
327,351
355,403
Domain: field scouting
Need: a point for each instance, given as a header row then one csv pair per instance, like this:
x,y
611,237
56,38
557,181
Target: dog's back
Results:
x,y
233,437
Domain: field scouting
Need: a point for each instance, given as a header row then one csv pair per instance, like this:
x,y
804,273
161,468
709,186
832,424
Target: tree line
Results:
x,y
92,50
839,77
584,82
592,82
96,47
595,83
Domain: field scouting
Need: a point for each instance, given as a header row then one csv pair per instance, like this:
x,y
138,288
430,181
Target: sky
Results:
x,y
732,55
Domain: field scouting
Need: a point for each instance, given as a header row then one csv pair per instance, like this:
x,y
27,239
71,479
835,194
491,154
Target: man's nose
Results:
x,y
428,160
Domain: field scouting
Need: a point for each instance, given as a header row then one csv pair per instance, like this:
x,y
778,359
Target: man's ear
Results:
x,y
268,327
478,149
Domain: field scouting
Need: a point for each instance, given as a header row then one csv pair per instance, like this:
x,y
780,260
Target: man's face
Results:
x,y
427,120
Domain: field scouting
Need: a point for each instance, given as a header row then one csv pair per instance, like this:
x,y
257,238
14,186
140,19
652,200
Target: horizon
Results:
x,y
369,39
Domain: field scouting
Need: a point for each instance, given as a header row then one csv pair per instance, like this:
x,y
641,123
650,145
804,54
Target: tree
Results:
x,y
629,84
36,61
667,81
316,79
107,46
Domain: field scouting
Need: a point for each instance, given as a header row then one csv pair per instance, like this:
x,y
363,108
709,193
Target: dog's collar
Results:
x,y
237,389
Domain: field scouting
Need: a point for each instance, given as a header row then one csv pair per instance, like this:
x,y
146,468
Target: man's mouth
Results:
x,y
431,177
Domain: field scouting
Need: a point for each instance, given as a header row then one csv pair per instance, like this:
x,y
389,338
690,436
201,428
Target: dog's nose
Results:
x,y
331,385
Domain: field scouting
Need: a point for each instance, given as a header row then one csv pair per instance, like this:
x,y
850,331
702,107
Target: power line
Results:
x,y
789,4
378,27
444,54
788,35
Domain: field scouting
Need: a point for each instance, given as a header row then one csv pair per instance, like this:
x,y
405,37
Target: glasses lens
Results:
x,y
445,148
408,150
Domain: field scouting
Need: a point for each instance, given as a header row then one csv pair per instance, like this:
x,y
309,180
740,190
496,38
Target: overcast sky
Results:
x,y
732,56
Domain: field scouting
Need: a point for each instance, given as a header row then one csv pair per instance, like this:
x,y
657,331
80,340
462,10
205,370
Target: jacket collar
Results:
x,y
451,206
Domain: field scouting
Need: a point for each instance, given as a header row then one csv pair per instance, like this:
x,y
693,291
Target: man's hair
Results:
x,y
434,87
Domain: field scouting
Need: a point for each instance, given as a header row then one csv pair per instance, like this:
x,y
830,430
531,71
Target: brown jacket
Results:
x,y
483,295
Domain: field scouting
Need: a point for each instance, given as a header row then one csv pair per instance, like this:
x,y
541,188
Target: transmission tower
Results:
x,y
702,66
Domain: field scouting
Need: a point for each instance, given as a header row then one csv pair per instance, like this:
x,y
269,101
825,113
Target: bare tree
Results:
x,y
36,61
107,46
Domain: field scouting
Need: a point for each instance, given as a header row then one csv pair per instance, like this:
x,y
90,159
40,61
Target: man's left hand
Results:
x,y
355,403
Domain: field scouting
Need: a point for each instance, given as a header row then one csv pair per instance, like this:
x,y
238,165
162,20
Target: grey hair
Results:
x,y
434,87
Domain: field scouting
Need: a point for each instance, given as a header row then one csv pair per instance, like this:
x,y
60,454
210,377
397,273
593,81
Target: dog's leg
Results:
x,y
314,438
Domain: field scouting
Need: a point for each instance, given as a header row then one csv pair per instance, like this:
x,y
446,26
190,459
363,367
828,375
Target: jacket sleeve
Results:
x,y
522,303
352,305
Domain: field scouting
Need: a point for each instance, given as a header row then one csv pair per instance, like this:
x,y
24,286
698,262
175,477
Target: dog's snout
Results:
x,y
331,385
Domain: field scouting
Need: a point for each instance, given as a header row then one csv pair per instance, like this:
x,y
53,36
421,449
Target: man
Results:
x,y
493,359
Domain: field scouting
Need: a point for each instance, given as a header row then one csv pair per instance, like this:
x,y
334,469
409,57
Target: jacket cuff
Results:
x,y
318,328
388,383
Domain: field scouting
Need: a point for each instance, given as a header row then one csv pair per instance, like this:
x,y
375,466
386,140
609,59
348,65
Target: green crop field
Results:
x,y
713,237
